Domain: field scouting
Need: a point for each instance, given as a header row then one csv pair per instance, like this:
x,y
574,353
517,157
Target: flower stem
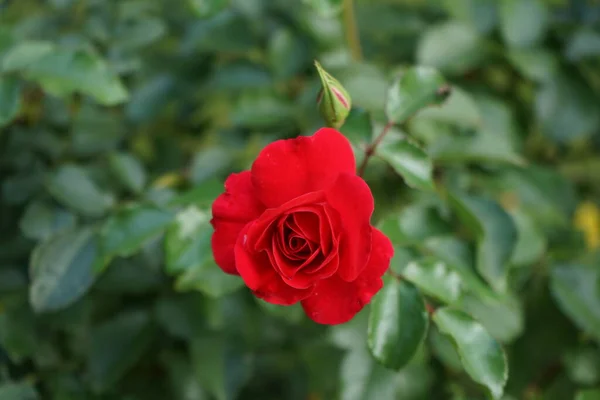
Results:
x,y
352,36
370,150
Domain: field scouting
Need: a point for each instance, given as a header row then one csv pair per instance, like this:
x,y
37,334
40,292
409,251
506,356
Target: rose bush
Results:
x,y
296,227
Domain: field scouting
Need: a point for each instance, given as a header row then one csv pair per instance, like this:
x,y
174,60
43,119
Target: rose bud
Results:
x,y
296,227
333,100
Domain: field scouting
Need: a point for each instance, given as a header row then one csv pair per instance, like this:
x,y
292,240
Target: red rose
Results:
x,y
296,227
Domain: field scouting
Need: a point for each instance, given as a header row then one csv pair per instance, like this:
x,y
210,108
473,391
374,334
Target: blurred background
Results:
x,y
120,120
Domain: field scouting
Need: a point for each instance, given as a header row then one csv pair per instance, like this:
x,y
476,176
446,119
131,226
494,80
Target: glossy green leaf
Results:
x,y
10,99
63,268
523,23
481,356
417,88
397,323
41,220
496,235
18,391
435,278
125,232
115,346
410,162
71,186
502,316
575,288
26,53
129,170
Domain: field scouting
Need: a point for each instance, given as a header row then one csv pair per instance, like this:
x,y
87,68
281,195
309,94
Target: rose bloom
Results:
x,y
296,228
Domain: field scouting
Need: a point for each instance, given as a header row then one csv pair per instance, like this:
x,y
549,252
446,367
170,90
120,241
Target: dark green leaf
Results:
x,y
481,356
531,242
417,88
129,170
576,290
125,232
221,368
10,99
18,391
115,346
70,185
410,162
496,235
358,127
63,269
206,8
41,220
397,323
435,278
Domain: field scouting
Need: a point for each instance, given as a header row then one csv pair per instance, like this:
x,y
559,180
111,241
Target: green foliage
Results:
x,y
121,119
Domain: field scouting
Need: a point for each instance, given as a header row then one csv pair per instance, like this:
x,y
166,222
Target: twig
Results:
x,y
370,150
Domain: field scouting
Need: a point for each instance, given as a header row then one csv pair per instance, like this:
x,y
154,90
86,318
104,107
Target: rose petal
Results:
x,y
352,199
286,169
258,274
231,211
335,301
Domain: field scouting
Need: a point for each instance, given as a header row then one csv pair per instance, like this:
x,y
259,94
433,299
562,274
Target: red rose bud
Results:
x,y
333,100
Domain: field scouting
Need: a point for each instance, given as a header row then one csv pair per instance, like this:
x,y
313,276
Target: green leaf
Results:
x,y
116,346
42,220
206,8
288,53
537,64
460,109
10,99
325,8
63,269
575,288
189,256
435,278
187,241
410,162
125,232
64,71
502,316
129,170
71,186
565,108
588,394
358,127
523,23
496,235
397,323
219,366
417,88
531,242
481,356
364,379
450,47
26,53
583,44
18,391
209,279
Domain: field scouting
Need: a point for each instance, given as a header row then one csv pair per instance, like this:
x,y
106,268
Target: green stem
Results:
x,y
352,36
